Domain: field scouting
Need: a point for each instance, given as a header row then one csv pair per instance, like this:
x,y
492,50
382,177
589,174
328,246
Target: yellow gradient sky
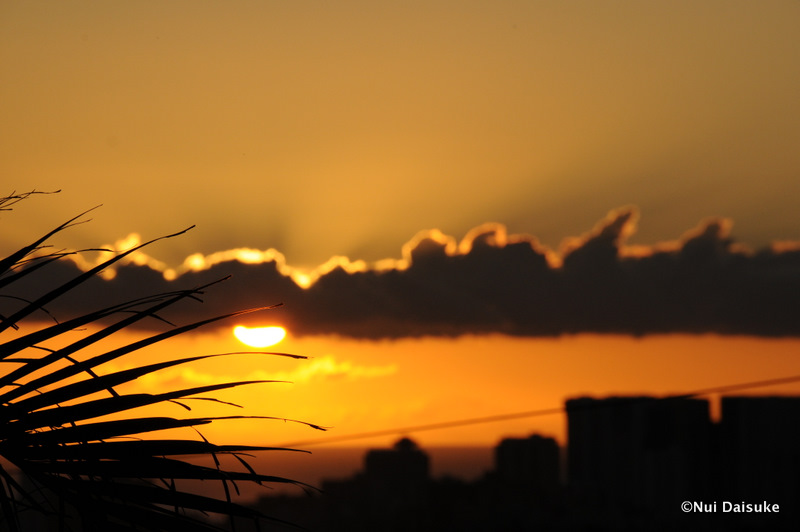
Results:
x,y
344,128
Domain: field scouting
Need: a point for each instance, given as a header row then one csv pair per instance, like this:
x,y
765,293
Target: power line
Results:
x,y
527,414
432,426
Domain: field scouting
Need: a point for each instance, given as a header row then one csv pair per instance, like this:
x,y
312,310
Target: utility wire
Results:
x,y
527,414
432,426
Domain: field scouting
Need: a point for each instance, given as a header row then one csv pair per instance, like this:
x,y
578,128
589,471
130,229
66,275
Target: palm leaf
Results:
x,y
90,462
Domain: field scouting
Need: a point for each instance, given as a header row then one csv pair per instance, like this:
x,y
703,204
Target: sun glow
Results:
x,y
259,336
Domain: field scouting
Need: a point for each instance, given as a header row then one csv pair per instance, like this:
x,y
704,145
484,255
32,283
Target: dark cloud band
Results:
x,y
702,283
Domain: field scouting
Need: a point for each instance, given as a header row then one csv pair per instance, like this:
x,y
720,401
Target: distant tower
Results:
x,y
404,463
398,476
528,463
392,494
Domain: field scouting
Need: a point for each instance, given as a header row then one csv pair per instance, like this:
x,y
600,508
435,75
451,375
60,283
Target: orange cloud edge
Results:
x,y
622,221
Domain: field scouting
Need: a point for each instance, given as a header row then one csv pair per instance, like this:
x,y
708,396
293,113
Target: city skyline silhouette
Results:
x,y
629,464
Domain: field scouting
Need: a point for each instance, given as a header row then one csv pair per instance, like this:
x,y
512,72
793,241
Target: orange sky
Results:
x,y
358,386
355,387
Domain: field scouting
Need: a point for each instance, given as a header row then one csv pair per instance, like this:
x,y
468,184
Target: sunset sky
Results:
x,y
659,137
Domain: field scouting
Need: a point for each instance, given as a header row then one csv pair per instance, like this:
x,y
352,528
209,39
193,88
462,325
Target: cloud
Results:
x,y
316,369
490,281
328,368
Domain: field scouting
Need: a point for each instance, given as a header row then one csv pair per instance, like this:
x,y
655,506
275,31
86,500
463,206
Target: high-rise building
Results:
x,y
759,440
631,454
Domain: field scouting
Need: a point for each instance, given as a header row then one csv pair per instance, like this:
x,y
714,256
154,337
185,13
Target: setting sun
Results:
x,y
259,336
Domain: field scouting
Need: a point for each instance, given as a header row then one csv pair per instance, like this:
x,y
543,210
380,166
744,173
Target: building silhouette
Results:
x,y
631,462
401,473
528,463
760,449
637,455
391,494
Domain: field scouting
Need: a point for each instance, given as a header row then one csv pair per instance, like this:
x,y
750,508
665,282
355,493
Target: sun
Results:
x,y
259,336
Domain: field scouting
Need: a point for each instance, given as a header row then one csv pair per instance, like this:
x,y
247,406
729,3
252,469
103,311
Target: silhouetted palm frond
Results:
x,y
75,452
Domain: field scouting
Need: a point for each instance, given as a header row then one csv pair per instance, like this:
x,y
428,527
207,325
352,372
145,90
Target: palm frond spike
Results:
x,y
69,464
